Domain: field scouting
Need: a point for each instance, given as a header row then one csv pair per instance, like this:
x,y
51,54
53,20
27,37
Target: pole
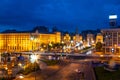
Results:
x,y
35,69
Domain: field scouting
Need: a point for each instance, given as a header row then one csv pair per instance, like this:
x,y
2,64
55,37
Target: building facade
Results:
x,y
111,39
77,38
90,39
67,38
16,42
113,21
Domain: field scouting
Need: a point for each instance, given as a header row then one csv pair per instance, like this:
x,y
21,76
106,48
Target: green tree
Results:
x,y
98,46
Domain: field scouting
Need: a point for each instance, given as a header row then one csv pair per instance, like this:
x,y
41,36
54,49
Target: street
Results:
x,y
66,72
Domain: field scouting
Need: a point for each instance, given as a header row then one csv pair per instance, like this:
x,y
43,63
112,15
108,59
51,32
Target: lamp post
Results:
x,y
33,60
32,38
62,47
33,56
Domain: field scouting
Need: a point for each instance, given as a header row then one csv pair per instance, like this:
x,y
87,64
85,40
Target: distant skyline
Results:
x,y
65,14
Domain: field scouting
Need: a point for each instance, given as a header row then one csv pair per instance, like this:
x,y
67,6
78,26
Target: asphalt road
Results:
x,y
69,72
66,72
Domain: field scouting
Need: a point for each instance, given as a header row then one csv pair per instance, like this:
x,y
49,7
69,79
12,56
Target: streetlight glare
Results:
x,y
21,77
101,55
31,38
6,68
33,58
20,64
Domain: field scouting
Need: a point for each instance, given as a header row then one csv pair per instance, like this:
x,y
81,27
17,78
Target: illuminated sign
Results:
x,y
112,16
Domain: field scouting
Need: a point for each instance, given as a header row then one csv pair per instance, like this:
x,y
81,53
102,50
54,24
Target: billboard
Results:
x,y
112,16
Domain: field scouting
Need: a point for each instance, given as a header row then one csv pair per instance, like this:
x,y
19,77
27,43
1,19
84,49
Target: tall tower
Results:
x,y
113,21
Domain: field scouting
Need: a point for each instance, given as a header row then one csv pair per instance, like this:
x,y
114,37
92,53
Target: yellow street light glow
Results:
x,y
31,38
119,56
6,68
92,41
62,42
33,58
78,48
21,77
20,64
42,49
101,55
71,41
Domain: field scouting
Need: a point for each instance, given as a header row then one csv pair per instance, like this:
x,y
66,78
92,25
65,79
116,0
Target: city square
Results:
x,y
59,40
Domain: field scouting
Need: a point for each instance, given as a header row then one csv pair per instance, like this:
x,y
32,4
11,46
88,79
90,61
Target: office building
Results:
x,y
111,39
113,21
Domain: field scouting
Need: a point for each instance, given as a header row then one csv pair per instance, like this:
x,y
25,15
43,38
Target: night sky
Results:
x,y
65,14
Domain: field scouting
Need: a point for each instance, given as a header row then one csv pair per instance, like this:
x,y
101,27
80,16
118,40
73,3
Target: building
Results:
x,y
67,38
16,41
90,39
77,38
99,38
111,39
113,21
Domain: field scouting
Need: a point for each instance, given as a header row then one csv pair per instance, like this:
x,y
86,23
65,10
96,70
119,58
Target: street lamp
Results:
x,y
62,47
33,60
32,38
21,76
20,64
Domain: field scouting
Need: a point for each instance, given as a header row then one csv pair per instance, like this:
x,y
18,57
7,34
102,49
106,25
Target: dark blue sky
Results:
x,y
65,14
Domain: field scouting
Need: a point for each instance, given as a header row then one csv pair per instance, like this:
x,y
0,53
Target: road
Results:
x,y
88,70
69,72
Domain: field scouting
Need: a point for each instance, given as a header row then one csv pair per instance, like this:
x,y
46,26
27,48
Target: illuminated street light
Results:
x,y
71,41
33,60
92,41
21,76
20,64
6,68
31,38
119,56
101,55
79,48
62,42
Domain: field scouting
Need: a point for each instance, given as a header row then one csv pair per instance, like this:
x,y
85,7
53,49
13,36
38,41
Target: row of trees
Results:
x,y
98,46
53,46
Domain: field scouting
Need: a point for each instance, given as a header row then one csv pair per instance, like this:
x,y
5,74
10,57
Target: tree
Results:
x,y
98,46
